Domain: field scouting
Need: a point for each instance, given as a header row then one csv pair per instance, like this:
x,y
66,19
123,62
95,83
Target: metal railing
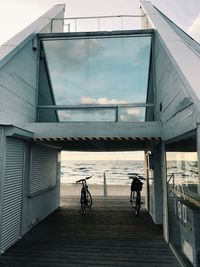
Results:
x,y
89,107
73,24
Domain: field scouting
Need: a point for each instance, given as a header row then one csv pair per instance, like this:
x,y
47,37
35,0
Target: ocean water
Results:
x,y
116,171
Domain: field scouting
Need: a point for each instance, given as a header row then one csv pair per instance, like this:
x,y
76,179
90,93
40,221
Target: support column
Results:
x,y
165,196
198,155
2,168
158,207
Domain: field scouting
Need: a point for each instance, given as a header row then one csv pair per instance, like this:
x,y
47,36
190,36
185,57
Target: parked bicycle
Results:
x,y
136,188
86,198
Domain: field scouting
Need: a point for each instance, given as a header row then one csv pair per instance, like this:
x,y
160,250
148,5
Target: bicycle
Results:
x,y
136,188
86,198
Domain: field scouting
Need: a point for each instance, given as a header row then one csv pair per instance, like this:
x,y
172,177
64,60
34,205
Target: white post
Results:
x,y
104,185
198,155
165,196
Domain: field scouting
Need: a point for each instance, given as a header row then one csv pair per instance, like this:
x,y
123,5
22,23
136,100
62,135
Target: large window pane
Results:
x,y
132,114
99,70
183,166
87,115
184,198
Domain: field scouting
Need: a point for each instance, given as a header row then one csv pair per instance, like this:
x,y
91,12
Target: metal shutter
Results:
x,y
43,168
12,194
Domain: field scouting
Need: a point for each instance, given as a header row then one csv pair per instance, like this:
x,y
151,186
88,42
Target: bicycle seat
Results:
x,y
81,180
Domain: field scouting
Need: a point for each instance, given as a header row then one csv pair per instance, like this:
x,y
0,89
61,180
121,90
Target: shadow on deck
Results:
x,y
108,235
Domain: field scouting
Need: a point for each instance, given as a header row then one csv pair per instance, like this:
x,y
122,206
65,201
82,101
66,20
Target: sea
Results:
x,y
115,171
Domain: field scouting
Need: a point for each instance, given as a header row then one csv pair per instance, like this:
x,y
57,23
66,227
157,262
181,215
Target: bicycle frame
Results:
x,y
135,197
86,198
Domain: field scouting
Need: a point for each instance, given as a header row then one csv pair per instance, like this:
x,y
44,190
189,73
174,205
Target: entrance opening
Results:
x,y
110,173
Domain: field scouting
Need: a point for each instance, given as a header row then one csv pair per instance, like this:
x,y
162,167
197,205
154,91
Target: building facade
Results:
x,y
101,91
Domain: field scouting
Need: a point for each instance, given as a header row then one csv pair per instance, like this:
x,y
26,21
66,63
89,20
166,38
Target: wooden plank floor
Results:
x,y
108,235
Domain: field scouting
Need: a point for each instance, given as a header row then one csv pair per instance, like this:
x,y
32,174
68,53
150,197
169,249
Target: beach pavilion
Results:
x,y
119,90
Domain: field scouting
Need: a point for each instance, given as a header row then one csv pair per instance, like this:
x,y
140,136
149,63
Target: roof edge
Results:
x,y
16,43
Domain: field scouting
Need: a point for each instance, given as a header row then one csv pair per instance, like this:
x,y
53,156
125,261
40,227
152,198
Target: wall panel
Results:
x,y
12,194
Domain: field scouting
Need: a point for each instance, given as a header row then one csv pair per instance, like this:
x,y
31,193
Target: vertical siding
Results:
x,y
18,87
2,162
12,195
43,168
172,98
170,90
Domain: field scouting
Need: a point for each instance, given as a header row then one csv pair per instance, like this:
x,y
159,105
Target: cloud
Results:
x,y
194,29
133,111
101,101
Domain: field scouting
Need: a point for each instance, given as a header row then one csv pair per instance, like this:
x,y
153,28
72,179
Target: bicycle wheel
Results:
x,y
138,203
88,199
83,202
133,200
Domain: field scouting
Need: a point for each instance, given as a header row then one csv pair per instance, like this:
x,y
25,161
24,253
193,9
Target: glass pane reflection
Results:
x,y
183,168
86,115
132,114
184,200
99,70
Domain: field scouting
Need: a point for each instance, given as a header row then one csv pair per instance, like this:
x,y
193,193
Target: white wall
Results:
x,y
18,87
40,206
37,206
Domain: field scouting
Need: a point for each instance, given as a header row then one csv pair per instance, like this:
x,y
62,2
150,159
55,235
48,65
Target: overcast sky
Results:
x,y
17,14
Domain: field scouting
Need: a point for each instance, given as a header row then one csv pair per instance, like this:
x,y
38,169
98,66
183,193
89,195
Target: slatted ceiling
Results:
x,y
12,196
43,168
97,138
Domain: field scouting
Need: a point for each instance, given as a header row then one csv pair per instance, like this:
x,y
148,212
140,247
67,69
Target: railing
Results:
x,y
179,190
90,107
171,177
99,23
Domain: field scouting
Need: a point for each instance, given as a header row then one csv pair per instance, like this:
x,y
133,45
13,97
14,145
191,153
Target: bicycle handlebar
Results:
x,y
136,175
81,180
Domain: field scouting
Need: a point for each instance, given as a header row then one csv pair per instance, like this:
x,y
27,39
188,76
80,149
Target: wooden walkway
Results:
x,y
108,235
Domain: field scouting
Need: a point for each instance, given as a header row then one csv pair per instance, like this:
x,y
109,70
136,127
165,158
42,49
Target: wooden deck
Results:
x,y
108,235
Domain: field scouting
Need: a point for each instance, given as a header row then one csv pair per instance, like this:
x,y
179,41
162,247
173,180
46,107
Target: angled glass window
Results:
x,y
100,71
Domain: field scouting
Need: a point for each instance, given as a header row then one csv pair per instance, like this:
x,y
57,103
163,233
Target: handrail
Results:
x,y
94,106
115,107
187,197
95,17
98,18
168,181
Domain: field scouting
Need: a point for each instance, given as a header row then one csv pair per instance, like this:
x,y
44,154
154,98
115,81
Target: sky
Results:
x,y
123,155
16,15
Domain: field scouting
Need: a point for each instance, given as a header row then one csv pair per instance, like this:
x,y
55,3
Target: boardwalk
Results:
x,y
108,235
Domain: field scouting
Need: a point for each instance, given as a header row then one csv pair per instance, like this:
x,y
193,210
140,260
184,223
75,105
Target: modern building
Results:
x,y
122,90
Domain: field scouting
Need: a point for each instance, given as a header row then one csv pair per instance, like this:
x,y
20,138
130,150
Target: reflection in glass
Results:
x,y
132,114
112,70
86,115
184,199
183,168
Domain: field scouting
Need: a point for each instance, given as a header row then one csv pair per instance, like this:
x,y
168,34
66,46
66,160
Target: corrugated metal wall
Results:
x,y
12,195
43,168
